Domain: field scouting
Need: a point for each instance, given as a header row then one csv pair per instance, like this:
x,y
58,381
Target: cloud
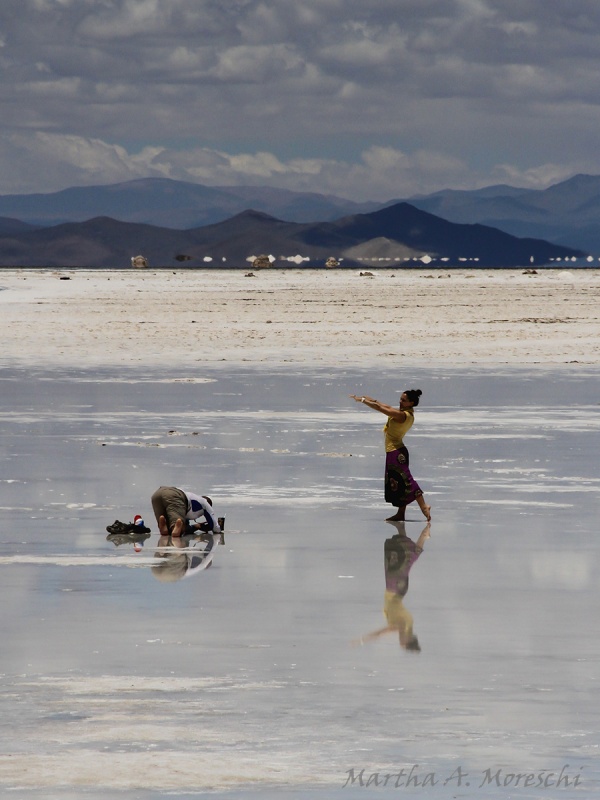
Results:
x,y
317,92
54,161
45,162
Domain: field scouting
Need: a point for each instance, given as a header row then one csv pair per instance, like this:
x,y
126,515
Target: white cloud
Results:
x,y
243,64
127,19
48,162
366,99
380,173
539,177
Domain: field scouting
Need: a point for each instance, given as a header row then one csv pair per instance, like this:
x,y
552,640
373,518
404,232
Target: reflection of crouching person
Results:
x,y
174,508
173,566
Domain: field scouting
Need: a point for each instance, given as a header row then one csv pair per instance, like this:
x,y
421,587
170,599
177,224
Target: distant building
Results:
x,y
261,262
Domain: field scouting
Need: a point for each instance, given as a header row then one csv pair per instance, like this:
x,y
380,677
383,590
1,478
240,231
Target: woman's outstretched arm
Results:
x,y
389,411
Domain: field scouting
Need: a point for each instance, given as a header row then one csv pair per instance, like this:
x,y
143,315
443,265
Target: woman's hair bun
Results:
x,y
414,395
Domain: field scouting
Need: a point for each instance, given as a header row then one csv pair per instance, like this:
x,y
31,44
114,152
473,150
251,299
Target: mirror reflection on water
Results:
x,y
320,648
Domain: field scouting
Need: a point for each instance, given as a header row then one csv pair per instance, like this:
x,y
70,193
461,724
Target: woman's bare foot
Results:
x,y
398,516
177,528
424,508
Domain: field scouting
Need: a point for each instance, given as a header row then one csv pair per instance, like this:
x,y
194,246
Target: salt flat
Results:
x,y
207,317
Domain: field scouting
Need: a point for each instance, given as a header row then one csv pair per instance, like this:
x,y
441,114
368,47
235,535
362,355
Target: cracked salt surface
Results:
x,y
250,678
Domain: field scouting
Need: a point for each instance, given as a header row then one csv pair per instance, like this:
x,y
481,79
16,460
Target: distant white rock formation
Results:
x,y
139,262
382,249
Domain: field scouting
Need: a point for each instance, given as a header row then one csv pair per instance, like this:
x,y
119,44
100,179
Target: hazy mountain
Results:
x,y
498,190
99,242
173,204
9,226
399,231
567,213
426,234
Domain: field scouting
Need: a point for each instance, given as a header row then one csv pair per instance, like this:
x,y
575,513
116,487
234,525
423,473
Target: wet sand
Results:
x,y
318,318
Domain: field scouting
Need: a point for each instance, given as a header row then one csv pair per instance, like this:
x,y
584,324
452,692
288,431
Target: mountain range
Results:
x,y
567,213
173,204
161,218
396,233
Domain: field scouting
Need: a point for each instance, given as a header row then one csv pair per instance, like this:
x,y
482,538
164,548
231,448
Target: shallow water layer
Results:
x,y
275,673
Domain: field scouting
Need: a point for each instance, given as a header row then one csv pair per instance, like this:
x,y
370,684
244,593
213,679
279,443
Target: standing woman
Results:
x,y
400,486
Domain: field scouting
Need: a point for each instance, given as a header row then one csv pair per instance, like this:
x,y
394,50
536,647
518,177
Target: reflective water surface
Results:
x,y
325,653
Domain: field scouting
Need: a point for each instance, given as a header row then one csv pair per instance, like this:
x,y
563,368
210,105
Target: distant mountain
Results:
x,y
567,213
398,232
9,226
498,190
99,242
173,204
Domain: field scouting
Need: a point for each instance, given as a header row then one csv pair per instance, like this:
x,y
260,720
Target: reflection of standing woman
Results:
x,y
400,554
400,486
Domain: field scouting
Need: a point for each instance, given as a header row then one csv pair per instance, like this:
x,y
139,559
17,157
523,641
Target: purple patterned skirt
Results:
x,y
400,486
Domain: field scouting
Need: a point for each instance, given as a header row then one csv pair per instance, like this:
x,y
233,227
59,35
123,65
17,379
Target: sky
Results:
x,y
364,99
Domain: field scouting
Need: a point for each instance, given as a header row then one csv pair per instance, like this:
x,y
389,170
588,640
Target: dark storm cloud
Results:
x,y
383,97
